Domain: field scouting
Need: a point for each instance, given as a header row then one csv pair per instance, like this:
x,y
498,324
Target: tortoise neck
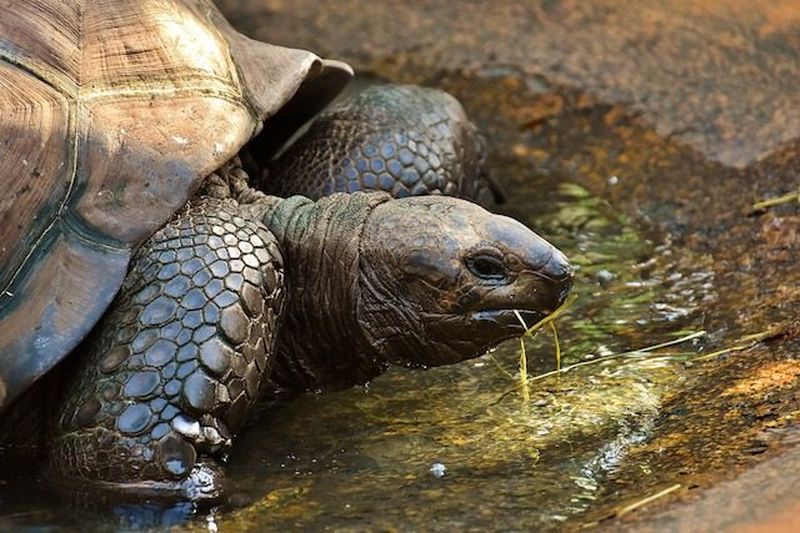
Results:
x,y
321,344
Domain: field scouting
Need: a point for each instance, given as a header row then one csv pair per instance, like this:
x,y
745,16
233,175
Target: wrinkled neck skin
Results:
x,y
398,328
322,344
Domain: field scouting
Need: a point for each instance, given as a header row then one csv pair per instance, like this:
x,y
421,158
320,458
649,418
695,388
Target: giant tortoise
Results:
x,y
133,242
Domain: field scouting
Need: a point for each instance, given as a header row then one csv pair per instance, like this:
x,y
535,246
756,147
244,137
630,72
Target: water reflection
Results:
x,y
371,457
458,446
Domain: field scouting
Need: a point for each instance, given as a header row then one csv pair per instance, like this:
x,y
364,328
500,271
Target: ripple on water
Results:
x,y
507,462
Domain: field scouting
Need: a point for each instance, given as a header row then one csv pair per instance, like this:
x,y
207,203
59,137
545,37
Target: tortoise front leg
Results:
x,y
168,376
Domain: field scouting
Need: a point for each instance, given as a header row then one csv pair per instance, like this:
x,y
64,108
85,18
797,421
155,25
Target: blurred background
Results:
x,y
637,136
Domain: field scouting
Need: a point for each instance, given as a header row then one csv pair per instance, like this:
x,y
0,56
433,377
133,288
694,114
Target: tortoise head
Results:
x,y
418,282
442,280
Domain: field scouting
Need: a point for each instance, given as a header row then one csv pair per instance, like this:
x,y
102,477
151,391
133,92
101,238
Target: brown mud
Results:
x,y
680,114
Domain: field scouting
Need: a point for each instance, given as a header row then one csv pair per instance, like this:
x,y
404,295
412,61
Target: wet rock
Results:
x,y
438,470
680,115
712,74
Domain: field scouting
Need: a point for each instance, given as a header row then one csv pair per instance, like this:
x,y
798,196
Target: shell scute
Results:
x,y
111,114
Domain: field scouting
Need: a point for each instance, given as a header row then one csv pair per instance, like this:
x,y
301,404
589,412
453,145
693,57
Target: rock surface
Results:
x,y
682,113
719,76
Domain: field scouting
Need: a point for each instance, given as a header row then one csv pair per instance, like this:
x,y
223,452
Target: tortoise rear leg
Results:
x,y
401,139
168,376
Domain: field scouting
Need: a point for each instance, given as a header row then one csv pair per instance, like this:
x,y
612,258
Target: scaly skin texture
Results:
x,y
180,359
405,283
323,240
182,355
200,324
401,139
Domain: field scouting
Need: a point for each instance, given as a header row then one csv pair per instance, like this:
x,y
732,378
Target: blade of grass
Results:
x,y
555,341
673,342
523,372
772,202
753,338
549,318
523,361
616,356
500,367
523,358
644,501
748,340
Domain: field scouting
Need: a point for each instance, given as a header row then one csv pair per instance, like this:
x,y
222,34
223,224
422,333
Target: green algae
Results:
x,y
509,461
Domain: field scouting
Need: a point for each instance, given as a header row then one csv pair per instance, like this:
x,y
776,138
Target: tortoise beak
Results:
x,y
544,279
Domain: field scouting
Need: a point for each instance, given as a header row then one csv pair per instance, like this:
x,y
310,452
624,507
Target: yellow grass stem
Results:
x,y
635,505
617,355
673,342
555,341
523,371
523,357
772,202
748,340
500,367
549,318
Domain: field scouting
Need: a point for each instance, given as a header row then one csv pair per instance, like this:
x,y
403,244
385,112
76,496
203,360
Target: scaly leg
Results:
x,y
169,375
401,139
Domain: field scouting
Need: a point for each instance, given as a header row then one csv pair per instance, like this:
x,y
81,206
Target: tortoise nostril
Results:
x,y
558,268
561,275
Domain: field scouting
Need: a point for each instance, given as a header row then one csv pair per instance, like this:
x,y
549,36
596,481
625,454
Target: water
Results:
x,y
459,447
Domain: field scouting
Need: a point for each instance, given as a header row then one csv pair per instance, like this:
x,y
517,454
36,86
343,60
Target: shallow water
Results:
x,y
628,111
460,447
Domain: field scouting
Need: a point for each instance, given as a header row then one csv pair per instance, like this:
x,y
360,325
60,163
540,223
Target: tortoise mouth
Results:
x,y
508,320
514,321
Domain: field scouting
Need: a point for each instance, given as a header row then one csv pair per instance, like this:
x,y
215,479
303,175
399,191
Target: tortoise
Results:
x,y
156,293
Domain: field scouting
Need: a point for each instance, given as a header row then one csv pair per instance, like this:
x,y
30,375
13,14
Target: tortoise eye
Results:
x,y
488,267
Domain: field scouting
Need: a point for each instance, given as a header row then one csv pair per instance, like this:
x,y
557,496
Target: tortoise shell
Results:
x,y
112,112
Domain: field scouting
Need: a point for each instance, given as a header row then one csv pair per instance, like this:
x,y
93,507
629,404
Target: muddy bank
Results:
x,y
680,114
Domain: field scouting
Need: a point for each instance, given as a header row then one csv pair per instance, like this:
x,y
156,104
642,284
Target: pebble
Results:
x,y
605,276
438,470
